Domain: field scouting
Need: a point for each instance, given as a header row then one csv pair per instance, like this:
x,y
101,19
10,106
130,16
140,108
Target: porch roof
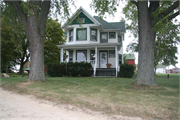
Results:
x,y
90,45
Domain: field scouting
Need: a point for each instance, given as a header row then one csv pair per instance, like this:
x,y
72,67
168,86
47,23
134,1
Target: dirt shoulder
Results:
x,y
24,107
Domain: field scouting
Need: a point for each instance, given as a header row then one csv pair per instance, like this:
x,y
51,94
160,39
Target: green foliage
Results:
x,y
14,40
166,45
69,69
53,36
126,71
166,37
14,75
105,6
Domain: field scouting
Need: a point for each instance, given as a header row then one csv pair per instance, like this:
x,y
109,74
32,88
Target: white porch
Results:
x,y
98,56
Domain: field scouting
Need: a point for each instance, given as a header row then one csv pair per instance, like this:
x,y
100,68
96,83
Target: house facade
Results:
x,y
91,39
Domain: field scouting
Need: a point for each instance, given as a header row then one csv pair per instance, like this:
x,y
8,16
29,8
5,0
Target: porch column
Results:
x,y
61,55
95,61
116,52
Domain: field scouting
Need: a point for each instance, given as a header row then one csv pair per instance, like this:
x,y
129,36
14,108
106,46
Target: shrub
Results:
x,y
126,70
76,69
14,75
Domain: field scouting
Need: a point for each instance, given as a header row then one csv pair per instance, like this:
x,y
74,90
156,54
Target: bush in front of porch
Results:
x,y
76,69
126,70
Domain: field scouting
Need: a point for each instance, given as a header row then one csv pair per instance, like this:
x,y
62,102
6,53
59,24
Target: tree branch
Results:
x,y
169,10
173,16
17,6
134,2
43,17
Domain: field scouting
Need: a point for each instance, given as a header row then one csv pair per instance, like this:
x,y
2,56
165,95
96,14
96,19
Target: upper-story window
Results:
x,y
104,38
112,35
70,35
81,34
93,34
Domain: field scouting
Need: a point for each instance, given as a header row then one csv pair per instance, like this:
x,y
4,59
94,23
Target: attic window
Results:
x,y
82,20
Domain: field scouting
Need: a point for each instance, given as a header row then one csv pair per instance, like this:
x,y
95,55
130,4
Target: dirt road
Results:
x,y
25,107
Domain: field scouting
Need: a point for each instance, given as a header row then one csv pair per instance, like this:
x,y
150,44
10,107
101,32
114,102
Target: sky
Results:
x,y
118,16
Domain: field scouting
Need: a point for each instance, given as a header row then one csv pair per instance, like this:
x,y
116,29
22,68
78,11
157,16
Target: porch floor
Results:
x,y
105,72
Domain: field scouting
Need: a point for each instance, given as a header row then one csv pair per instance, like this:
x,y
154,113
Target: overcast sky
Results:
x,y
118,16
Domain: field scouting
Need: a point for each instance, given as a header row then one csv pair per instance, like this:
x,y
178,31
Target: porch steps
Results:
x,y
105,72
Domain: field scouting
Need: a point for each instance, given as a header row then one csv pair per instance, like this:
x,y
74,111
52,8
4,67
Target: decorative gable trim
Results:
x,y
81,9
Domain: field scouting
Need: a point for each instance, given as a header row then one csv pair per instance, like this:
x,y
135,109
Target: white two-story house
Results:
x,y
91,39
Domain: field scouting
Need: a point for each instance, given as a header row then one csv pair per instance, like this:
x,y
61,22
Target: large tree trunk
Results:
x,y
145,74
34,21
36,49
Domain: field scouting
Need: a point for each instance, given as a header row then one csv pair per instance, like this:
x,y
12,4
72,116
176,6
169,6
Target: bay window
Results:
x,y
81,34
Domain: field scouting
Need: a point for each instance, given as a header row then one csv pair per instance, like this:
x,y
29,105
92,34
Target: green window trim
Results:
x,y
112,33
92,35
110,52
81,51
78,29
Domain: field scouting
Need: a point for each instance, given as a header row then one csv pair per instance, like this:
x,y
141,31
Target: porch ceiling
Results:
x,y
90,45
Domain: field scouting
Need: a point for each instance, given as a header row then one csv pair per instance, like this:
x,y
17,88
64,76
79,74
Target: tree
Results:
x,y
19,43
7,49
150,15
34,15
53,37
166,38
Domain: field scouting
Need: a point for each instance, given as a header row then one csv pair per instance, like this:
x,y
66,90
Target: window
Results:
x,y
70,35
119,39
81,34
120,59
93,34
112,54
82,20
81,55
104,38
112,35
70,56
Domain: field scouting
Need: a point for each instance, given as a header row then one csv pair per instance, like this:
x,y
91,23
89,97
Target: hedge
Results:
x,y
82,69
126,70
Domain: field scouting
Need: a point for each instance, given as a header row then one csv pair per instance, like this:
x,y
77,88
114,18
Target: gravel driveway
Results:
x,y
15,106
22,107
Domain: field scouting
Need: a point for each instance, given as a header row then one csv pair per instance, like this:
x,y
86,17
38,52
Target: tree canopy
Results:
x,y
33,16
166,38
152,16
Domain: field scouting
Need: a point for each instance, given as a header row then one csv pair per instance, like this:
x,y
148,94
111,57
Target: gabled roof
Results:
x,y
81,9
105,25
111,25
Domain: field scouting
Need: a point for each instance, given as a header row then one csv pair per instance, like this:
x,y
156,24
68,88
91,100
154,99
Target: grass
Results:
x,y
109,95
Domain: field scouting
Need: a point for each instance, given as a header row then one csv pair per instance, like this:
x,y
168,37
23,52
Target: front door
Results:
x,y
103,59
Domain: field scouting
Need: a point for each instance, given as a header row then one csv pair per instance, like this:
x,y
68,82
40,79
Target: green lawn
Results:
x,y
110,95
